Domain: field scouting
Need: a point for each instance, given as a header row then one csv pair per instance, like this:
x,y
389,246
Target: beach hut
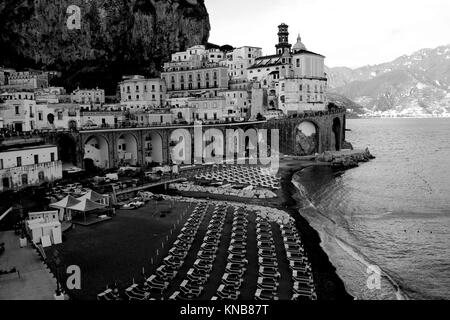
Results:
x,y
86,205
64,204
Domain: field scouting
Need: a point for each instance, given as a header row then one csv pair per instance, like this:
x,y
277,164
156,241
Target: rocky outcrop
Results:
x,y
115,36
345,160
305,145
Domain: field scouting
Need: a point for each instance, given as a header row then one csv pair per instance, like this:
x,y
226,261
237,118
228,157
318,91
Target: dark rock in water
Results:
x,y
115,37
342,161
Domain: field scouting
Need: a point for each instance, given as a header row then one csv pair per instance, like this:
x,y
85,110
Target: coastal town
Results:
x,y
122,175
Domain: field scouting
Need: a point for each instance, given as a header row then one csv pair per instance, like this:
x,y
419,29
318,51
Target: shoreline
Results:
x,y
329,286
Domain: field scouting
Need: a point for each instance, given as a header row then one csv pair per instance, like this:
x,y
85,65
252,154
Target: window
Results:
x,y
17,109
40,116
298,63
19,161
301,98
52,156
301,87
137,97
41,176
1,164
60,115
215,116
36,159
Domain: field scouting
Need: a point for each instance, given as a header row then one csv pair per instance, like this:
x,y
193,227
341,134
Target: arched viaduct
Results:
x,y
110,148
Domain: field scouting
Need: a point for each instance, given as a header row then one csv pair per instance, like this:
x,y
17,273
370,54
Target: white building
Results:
x,y
88,96
19,115
237,104
294,75
102,119
29,166
139,93
240,59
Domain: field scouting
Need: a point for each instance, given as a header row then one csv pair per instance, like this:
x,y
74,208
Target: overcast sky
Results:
x,y
350,33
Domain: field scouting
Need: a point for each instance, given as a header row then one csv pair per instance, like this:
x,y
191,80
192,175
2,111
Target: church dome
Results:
x,y
299,45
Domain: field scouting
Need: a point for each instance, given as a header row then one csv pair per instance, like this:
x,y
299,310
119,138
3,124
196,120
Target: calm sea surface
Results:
x,y
392,213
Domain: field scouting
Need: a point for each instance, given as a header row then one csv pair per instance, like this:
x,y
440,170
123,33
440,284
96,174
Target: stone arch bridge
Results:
x,y
109,148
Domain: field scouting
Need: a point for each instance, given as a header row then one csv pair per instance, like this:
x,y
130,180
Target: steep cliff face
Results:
x,y
114,37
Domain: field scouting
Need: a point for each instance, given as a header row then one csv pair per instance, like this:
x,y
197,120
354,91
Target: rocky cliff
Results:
x,y
114,37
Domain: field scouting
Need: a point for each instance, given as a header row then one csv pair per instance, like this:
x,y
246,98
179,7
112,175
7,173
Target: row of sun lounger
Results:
x,y
197,277
303,288
236,260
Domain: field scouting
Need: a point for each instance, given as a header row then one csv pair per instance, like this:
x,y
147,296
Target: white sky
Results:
x,y
350,33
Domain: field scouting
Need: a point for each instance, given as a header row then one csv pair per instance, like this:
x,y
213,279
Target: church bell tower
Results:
x,y
283,39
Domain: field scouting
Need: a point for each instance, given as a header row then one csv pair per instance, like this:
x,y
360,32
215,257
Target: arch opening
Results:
x,y
336,135
67,149
96,152
153,149
127,150
306,138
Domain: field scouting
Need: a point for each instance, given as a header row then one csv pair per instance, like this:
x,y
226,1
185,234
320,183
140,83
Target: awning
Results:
x,y
86,205
92,195
65,203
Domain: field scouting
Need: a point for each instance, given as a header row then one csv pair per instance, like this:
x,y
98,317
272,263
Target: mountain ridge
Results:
x,y
410,85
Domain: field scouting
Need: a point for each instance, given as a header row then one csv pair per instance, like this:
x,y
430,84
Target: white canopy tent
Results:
x,y
86,205
64,204
94,196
